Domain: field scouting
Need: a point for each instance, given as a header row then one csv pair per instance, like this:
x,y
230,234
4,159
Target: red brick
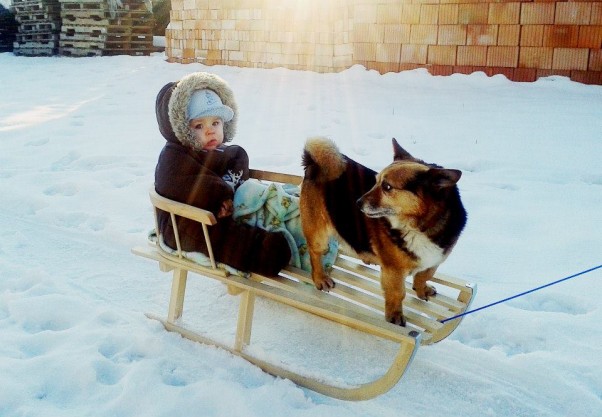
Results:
x,y
531,35
397,33
502,56
504,13
382,67
463,69
596,17
429,14
566,36
549,72
452,35
481,34
573,13
410,13
537,13
364,51
570,59
413,54
448,14
441,54
423,34
590,37
532,57
508,35
388,52
388,14
473,13
472,55
507,72
409,67
587,77
524,74
595,60
441,70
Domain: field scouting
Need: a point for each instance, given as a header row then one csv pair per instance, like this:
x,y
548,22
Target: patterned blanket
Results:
x,y
275,207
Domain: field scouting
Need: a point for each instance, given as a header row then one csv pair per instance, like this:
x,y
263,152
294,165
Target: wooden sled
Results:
x,y
356,301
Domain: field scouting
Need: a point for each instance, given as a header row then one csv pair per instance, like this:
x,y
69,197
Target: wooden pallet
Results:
x,y
356,301
32,49
40,38
78,51
93,20
39,27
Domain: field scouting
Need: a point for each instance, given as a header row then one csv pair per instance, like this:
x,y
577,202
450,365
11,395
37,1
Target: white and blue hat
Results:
x,y
206,103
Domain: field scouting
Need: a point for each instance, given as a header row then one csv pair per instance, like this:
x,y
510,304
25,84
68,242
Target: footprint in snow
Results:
x,y
555,303
107,373
65,161
173,376
38,142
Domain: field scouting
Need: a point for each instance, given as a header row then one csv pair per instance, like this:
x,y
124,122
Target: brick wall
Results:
x,y
522,39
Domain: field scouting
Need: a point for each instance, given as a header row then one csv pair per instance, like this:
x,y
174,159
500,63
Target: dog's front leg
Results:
x,y
423,290
393,284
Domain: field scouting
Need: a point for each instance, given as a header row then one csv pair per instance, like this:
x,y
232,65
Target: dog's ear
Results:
x,y
399,153
443,178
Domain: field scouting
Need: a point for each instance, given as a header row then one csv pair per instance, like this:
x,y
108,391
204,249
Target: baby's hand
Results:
x,y
227,209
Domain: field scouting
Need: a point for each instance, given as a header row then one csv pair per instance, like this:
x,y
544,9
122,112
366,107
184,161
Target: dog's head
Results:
x,y
408,188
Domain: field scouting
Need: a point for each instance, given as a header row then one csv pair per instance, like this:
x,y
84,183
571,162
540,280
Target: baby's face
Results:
x,y
208,132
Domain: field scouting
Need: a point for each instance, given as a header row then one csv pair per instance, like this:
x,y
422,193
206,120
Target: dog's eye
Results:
x,y
386,186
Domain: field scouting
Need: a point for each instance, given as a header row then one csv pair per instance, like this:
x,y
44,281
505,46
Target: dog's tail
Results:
x,y
322,160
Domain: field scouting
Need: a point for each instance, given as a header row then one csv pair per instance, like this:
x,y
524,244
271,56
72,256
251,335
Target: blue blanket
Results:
x,y
275,207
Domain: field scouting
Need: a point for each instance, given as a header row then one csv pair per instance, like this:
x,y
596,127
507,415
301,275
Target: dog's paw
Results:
x,y
397,318
426,292
325,283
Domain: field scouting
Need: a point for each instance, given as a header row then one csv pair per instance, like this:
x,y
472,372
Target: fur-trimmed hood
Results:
x,y
172,106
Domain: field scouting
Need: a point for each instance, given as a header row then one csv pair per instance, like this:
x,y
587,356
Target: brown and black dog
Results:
x,y
407,218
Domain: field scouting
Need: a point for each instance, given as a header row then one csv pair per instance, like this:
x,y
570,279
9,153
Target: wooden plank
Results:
x,y
79,52
245,320
178,291
181,209
275,177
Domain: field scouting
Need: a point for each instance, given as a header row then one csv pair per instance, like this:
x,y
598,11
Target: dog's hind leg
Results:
x,y
317,232
393,284
423,290
317,245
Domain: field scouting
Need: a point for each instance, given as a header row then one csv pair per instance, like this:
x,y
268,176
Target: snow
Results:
x,y
78,147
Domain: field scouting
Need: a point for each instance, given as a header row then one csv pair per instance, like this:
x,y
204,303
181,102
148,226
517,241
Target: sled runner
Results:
x,y
356,301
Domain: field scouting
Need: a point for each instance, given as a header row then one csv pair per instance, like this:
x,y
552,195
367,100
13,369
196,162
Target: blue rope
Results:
x,y
521,294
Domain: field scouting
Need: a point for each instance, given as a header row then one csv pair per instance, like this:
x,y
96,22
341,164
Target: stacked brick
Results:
x,y
39,27
97,27
522,39
257,34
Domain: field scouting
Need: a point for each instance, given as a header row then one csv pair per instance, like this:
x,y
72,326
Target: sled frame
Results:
x,y
356,301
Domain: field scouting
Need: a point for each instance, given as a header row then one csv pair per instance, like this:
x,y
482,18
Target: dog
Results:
x,y
407,218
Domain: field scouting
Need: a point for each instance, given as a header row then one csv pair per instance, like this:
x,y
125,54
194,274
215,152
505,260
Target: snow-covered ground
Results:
x,y
78,147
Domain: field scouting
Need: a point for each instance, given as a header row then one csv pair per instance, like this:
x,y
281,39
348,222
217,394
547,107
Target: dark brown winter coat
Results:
x,y
206,179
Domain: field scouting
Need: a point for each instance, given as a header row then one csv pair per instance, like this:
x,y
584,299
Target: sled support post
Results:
x,y
245,320
356,302
178,290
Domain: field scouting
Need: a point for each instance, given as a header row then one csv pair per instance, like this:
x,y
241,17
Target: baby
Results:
x,y
197,116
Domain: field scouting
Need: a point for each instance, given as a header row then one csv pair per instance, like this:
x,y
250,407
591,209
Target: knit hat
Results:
x,y
206,102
